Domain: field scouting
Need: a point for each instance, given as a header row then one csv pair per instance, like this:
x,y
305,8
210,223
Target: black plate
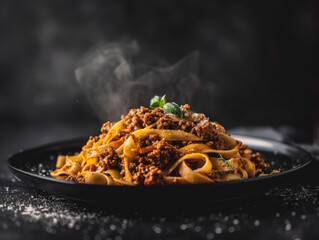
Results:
x,y
33,166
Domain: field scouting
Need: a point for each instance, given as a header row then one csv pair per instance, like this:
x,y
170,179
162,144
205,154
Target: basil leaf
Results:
x,y
155,101
224,160
173,108
227,164
162,101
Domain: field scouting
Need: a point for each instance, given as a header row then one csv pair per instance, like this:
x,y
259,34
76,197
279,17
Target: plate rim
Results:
x,y
74,140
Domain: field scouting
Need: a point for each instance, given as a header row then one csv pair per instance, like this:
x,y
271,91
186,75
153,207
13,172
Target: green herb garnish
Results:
x,y
173,108
227,164
190,111
224,160
169,107
229,134
222,172
157,101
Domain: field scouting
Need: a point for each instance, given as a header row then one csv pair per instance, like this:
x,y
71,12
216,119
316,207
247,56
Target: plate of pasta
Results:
x,y
163,150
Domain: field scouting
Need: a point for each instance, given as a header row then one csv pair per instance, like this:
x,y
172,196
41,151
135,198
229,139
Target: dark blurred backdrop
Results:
x,y
258,60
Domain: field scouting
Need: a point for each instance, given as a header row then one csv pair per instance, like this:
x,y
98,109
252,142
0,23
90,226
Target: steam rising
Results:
x,y
114,82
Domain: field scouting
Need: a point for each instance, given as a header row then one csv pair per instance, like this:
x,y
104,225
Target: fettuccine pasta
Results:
x,y
155,147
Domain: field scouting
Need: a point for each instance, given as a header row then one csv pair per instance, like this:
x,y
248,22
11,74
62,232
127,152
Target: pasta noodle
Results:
x,y
153,146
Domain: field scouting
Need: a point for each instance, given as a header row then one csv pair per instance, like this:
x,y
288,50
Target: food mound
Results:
x,y
164,145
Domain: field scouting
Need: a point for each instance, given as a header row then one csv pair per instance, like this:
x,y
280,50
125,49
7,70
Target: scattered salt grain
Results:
x,y
218,230
183,227
157,229
288,227
235,221
112,227
210,236
197,229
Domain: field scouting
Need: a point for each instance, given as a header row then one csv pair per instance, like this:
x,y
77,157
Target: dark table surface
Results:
x,y
289,210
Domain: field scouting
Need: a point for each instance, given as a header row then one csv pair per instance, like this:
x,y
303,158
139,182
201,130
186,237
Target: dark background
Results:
x,y
258,72
258,60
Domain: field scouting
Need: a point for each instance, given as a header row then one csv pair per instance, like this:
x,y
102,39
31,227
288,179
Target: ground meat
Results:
x,y
242,147
93,168
179,145
106,127
141,117
109,159
210,144
154,137
154,155
148,167
147,175
94,139
167,123
219,143
154,177
185,108
186,126
152,117
149,140
209,132
260,163
205,130
191,116
76,178
212,174
163,156
219,127
196,123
